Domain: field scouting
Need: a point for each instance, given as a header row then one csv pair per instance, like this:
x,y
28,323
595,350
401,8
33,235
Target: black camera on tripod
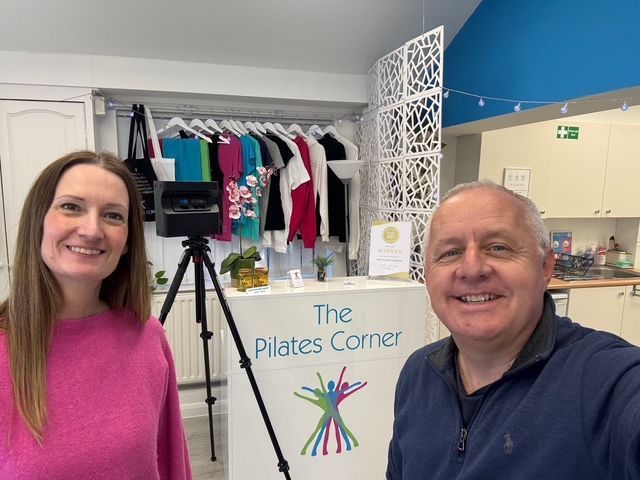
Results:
x,y
187,209
192,209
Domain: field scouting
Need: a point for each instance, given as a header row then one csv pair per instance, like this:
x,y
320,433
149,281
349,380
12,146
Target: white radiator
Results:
x,y
183,333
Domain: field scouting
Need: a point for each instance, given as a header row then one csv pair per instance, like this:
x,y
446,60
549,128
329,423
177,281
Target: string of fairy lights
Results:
x,y
564,105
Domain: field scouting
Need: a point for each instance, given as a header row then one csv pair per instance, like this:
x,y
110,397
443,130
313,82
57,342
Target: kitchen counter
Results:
x,y
557,284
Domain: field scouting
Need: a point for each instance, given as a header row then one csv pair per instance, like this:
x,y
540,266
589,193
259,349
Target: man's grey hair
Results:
x,y
531,212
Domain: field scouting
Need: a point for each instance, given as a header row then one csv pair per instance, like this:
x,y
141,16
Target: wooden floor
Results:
x,y
197,430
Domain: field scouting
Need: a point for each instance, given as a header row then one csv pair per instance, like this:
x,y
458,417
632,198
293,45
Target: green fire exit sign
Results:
x,y
567,133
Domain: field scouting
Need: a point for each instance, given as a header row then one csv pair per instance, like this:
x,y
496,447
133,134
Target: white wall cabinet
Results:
x,y
621,197
567,176
32,134
590,177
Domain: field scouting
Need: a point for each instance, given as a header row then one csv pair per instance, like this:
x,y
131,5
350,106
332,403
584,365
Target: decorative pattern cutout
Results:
x,y
422,181
390,83
424,63
392,184
423,124
390,133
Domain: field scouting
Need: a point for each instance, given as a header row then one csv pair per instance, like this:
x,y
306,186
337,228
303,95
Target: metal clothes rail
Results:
x,y
165,111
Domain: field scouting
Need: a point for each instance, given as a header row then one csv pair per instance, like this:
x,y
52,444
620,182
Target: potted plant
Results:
x,y
235,261
321,263
243,199
159,278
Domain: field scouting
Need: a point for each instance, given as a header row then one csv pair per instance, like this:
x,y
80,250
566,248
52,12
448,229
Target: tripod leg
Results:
x,y
206,335
245,363
175,284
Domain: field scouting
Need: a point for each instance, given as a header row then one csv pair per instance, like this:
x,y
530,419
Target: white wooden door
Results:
x,y
599,308
4,257
32,135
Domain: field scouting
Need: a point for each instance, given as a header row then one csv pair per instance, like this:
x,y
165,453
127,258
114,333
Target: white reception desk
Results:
x,y
326,359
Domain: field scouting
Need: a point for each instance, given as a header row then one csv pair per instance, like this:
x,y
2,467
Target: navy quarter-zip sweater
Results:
x,y
569,408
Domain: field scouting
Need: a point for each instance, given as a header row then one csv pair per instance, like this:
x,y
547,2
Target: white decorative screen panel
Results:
x,y
391,132
422,174
423,63
392,183
400,136
423,117
390,81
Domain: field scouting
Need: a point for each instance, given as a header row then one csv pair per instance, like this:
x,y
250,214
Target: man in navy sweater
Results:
x,y
516,392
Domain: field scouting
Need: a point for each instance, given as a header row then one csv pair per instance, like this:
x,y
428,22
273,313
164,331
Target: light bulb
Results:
x,y
446,94
340,121
440,156
624,107
565,108
131,114
517,107
481,102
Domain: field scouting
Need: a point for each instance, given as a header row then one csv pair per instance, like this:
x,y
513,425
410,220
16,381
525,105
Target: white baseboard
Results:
x,y
199,409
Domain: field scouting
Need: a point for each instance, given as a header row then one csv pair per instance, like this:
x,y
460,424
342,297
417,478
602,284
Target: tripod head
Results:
x,y
197,243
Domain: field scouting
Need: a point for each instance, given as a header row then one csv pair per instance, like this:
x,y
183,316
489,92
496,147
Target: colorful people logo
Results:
x,y
328,401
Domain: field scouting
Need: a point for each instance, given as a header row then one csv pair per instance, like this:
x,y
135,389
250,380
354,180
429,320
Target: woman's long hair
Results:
x,y
29,314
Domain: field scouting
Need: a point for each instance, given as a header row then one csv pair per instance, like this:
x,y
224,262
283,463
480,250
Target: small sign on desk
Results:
x,y
294,279
390,249
517,180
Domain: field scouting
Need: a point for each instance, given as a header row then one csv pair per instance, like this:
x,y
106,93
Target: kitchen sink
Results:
x,y
605,272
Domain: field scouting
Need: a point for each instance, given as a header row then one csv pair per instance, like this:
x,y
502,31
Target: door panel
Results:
x,y
4,258
32,135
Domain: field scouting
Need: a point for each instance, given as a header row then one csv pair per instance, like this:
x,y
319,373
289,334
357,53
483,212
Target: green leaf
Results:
x,y
228,262
250,252
162,281
159,274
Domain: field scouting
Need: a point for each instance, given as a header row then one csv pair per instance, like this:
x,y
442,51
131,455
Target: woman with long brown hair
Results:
x,y
87,381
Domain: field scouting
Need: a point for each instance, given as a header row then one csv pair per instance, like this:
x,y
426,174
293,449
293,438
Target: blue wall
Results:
x,y
540,50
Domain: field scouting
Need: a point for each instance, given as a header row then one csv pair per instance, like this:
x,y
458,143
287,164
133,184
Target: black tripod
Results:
x,y
197,247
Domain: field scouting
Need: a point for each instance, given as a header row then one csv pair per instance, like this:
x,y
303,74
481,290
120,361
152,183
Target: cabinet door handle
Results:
x,y
608,210
635,291
596,212
542,212
621,294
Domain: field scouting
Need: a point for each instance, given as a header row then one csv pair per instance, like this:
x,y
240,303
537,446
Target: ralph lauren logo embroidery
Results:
x,y
508,443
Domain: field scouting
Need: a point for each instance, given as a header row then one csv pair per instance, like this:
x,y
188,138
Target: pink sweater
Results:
x,y
113,406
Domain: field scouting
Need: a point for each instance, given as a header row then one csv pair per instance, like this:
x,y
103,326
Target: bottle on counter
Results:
x,y
601,254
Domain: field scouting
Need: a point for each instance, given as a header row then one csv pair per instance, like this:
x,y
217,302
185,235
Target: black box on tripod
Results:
x,y
187,209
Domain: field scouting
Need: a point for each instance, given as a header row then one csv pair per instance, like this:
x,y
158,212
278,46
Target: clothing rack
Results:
x,y
166,111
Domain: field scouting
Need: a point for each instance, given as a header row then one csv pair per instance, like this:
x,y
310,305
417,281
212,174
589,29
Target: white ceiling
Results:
x,y
342,36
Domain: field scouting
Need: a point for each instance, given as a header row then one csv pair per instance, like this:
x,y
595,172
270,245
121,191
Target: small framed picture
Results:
x,y
561,242
294,279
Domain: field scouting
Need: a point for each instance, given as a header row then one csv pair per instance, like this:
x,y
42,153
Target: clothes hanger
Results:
x,y
332,130
212,124
295,128
178,122
251,127
197,123
226,125
239,127
270,127
314,129
283,131
260,128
